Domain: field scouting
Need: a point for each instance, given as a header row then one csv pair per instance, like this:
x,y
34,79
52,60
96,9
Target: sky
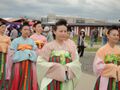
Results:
x,y
99,9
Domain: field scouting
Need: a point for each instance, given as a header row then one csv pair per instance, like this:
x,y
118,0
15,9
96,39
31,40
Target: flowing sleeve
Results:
x,y
74,70
42,68
100,68
8,61
98,65
56,71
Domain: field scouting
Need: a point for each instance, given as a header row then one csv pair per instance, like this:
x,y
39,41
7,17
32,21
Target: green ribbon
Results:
x,y
112,58
114,85
62,54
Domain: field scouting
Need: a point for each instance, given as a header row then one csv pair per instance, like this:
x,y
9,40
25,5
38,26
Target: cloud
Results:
x,y
100,9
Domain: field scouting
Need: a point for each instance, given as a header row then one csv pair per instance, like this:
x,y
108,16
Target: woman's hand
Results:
x,y
110,70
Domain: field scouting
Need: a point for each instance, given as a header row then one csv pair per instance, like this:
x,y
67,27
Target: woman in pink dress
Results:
x,y
59,62
39,39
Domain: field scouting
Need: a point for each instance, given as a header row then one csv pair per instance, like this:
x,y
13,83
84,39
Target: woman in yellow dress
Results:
x,y
4,43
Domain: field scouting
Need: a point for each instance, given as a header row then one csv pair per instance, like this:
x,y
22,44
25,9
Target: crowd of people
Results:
x,y
36,61
45,59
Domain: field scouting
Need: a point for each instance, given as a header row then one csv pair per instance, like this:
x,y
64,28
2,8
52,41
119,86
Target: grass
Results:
x,y
91,49
87,41
75,39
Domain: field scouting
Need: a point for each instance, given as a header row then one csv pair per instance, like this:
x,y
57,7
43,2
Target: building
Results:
x,y
70,19
78,23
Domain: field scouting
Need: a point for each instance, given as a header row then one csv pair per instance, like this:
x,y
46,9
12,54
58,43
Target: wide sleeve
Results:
x,y
52,70
98,64
74,70
9,63
100,68
42,68
42,63
56,71
110,70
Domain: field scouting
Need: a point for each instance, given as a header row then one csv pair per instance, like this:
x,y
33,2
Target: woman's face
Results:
x,y
38,28
25,31
61,33
2,29
113,36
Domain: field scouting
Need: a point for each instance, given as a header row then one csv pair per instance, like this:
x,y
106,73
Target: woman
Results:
x,y
60,62
23,76
81,43
39,39
4,43
106,63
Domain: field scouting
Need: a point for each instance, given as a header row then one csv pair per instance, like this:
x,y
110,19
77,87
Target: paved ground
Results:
x,y
88,79
87,62
86,82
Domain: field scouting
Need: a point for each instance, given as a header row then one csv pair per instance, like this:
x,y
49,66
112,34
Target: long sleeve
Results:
x,y
110,70
74,70
57,72
48,71
98,65
9,63
106,70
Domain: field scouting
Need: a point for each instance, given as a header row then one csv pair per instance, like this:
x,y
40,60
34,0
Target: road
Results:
x,y
87,79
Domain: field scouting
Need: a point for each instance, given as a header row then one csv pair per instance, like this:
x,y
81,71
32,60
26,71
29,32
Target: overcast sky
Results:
x,y
99,9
